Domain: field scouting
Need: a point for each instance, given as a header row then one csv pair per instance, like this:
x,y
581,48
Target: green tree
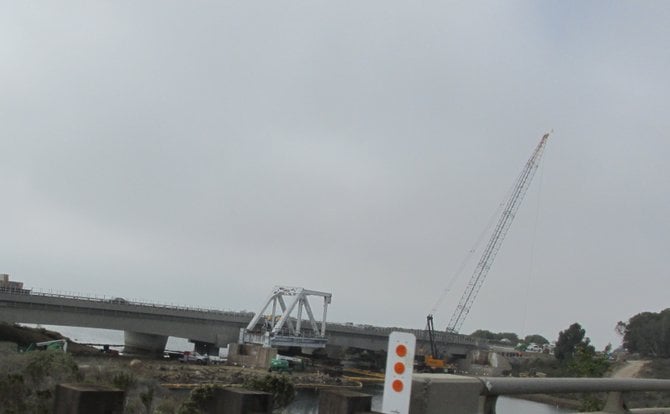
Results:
x,y
586,362
647,333
280,386
537,339
484,334
513,338
568,341
576,355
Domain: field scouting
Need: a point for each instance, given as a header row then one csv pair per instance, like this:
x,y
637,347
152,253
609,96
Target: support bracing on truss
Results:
x,y
282,329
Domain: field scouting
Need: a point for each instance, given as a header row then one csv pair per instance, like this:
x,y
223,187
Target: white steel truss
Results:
x,y
281,329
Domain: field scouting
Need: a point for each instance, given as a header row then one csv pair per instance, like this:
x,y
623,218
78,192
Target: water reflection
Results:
x,y
306,401
507,405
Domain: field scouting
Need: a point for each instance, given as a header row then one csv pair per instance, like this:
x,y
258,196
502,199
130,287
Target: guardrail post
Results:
x,y
439,393
490,404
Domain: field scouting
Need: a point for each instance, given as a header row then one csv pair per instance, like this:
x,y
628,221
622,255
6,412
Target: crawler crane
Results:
x,y
511,204
432,362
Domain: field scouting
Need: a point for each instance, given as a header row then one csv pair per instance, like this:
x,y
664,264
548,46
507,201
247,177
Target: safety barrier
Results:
x,y
456,394
453,394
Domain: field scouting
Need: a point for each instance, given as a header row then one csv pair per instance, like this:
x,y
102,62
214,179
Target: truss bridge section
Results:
x,y
283,325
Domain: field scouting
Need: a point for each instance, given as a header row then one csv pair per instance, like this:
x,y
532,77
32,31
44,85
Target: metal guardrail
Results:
x,y
420,334
478,395
515,386
121,301
615,387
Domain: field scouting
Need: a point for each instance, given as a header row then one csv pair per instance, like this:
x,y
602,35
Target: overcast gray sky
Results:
x,y
202,152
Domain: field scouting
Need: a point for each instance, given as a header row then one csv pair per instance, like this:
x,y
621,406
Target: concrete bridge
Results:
x,y
147,325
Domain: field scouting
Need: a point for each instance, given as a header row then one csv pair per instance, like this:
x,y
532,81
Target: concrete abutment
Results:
x,y
250,355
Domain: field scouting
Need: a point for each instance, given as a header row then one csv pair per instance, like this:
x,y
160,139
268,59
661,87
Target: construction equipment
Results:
x,y
55,345
279,365
432,362
504,222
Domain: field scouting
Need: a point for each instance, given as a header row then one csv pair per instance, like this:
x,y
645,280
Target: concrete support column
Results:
x,y
87,399
143,343
250,355
205,348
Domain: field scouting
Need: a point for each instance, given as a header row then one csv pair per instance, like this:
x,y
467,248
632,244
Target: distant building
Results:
x,y
8,286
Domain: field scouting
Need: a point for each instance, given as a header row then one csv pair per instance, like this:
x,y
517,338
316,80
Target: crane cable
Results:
x,y
532,250
468,257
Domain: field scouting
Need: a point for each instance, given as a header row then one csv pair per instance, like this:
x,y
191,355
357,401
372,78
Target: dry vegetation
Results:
x,y
28,379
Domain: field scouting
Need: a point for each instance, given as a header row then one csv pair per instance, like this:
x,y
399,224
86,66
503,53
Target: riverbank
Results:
x,y
163,376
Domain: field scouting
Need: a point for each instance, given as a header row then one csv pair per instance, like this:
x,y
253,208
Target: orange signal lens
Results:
x,y
401,350
397,386
399,368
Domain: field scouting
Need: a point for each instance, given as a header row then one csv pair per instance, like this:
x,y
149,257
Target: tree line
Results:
x,y
509,336
647,334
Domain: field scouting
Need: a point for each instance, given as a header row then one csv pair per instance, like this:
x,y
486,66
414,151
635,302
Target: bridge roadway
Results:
x,y
147,325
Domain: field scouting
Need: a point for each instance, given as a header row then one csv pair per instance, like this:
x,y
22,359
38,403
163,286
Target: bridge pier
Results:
x,y
143,343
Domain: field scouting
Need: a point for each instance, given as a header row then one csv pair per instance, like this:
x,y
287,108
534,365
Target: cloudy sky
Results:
x,y
202,152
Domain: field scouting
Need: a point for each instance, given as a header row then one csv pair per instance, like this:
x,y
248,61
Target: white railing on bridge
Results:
x,y
420,334
122,301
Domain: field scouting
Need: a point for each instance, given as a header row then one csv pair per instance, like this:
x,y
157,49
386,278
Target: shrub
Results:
x,y
28,381
124,380
279,386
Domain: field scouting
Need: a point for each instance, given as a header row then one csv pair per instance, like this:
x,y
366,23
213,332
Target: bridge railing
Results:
x,y
459,395
122,301
420,334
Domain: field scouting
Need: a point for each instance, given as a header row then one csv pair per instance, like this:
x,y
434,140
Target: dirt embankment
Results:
x,y
23,336
630,369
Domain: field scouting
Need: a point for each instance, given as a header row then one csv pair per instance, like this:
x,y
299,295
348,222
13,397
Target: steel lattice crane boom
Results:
x,y
504,222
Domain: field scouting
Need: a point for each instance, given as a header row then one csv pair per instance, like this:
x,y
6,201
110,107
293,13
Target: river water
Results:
x,y
306,401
